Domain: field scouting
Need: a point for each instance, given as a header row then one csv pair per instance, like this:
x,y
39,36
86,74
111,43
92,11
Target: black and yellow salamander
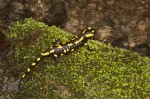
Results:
x,y
60,49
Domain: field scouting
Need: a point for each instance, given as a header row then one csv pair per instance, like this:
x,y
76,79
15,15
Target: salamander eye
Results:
x,y
89,32
89,28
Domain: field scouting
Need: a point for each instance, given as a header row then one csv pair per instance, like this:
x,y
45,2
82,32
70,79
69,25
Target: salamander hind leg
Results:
x,y
22,83
57,42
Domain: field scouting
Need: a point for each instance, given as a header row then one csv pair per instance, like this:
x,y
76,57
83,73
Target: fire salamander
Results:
x,y
58,50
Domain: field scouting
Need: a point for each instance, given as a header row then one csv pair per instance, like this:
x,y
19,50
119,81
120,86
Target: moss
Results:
x,y
106,72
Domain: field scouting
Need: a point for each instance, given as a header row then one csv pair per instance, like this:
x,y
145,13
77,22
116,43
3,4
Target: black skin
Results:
x,y
59,51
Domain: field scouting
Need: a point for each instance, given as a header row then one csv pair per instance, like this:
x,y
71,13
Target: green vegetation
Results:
x,y
106,72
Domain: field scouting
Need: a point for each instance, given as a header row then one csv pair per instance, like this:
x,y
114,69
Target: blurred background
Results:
x,y
121,23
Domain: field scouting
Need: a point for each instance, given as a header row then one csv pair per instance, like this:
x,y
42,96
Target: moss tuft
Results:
x,y
106,72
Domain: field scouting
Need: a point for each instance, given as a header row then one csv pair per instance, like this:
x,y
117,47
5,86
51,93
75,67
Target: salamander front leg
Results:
x,y
22,82
57,42
88,48
57,60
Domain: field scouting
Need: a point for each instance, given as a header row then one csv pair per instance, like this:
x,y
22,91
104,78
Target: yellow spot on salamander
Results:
x,y
84,31
45,54
76,42
28,70
85,44
89,35
73,38
93,31
55,55
65,51
33,64
70,44
38,59
52,51
64,43
89,28
68,41
80,39
59,46
72,50
61,54
23,75
76,36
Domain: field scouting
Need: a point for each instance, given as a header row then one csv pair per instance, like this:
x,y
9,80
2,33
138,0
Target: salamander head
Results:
x,y
89,32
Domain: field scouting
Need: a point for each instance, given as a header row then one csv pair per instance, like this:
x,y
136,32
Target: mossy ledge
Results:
x,y
106,72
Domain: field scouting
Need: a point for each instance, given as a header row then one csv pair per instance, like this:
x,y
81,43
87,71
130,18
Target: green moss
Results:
x,y
106,72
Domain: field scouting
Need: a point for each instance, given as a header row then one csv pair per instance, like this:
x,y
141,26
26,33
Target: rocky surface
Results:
x,y
123,23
